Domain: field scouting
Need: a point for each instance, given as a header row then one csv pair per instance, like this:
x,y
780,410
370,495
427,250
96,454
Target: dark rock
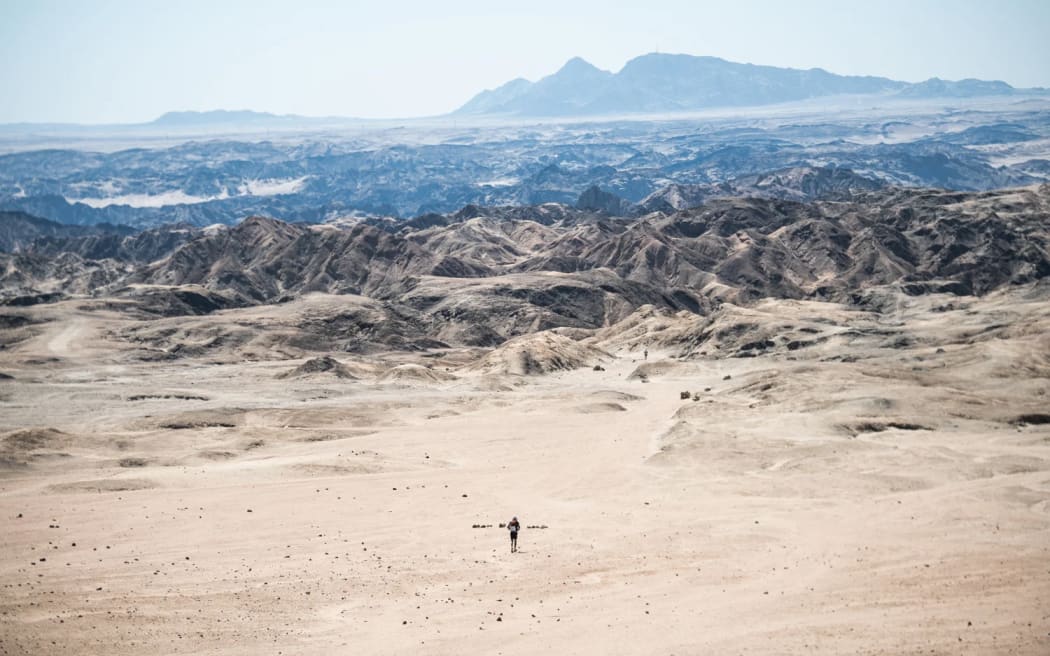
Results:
x,y
32,299
322,365
1035,419
602,201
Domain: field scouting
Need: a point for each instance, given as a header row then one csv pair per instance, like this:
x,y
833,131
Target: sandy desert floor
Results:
x,y
886,491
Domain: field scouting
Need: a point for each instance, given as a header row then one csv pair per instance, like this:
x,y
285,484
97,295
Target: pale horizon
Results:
x,y
122,62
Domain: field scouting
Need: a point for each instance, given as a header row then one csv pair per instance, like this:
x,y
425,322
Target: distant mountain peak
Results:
x,y
578,64
664,82
657,57
216,116
577,71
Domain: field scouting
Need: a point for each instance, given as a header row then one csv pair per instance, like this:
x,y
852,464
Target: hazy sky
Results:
x,y
95,61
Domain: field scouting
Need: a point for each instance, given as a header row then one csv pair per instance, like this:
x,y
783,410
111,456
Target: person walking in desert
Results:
x,y
513,526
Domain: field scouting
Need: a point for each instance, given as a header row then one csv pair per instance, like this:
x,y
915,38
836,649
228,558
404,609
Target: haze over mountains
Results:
x,y
654,83
420,168
667,83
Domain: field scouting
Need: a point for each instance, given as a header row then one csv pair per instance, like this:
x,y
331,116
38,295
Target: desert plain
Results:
x,y
867,483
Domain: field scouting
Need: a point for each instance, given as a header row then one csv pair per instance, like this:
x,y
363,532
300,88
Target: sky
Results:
x,y
129,61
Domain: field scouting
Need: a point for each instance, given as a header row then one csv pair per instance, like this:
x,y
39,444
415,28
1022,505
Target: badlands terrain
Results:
x,y
759,426
153,174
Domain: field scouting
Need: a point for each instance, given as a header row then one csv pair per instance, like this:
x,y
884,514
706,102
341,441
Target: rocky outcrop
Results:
x,y
602,201
800,183
325,365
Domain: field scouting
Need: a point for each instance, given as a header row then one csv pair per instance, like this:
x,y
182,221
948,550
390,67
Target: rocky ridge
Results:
x,y
482,276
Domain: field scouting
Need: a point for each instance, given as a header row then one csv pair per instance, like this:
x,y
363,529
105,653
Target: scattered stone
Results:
x,y
685,395
186,425
1034,419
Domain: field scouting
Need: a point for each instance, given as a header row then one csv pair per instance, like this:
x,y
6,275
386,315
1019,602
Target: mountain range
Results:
x,y
481,276
662,83
647,84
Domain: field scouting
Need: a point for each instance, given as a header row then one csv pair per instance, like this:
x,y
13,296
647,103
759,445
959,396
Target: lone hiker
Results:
x,y
513,526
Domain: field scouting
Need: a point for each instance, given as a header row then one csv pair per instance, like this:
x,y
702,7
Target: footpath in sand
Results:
x,y
896,502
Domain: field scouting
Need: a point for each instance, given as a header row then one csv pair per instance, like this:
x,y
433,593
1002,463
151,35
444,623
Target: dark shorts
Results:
x,y
513,535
